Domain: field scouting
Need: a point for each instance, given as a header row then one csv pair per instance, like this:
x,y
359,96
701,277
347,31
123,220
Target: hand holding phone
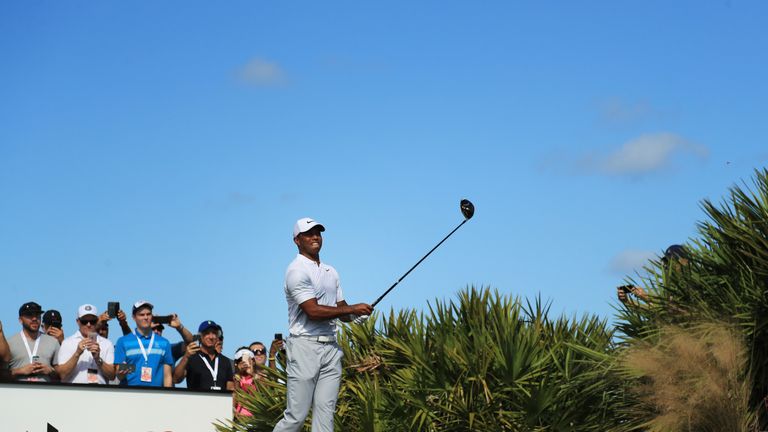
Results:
x,y
112,309
126,368
162,319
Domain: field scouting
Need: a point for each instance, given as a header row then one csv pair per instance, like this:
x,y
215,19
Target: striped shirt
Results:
x,y
127,350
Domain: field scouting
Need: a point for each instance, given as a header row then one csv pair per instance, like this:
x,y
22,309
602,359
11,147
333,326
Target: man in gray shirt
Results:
x,y
33,354
315,301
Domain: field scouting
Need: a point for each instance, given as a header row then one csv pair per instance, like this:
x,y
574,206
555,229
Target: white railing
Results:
x,y
32,407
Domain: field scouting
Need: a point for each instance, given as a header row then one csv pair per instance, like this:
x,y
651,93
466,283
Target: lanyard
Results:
x,y
33,353
214,370
149,348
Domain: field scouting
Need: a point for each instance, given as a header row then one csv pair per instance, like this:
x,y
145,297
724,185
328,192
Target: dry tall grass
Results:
x,y
693,379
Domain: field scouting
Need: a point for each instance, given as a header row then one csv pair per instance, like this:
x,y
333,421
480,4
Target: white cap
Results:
x,y
87,309
305,224
141,303
243,353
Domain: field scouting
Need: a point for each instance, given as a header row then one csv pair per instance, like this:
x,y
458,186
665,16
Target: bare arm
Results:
x,y
273,348
167,375
186,336
123,321
108,370
317,312
5,351
64,369
180,371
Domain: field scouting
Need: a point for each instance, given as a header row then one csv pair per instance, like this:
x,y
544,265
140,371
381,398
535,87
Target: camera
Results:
x,y
162,319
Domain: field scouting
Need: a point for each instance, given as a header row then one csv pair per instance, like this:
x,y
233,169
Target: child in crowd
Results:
x,y
244,379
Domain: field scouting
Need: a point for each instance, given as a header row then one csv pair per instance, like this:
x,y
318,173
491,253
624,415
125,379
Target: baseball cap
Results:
x,y
305,224
674,252
243,352
140,304
87,309
205,325
51,316
30,308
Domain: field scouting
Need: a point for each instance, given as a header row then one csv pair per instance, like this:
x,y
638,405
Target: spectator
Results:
x,y
33,354
259,359
52,325
103,330
148,352
204,367
260,353
220,347
675,257
5,355
177,349
85,357
244,379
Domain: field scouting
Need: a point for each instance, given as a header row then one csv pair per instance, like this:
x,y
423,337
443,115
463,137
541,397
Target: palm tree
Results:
x,y
485,362
725,279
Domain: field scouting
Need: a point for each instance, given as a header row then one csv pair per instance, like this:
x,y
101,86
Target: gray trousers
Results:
x,y
314,376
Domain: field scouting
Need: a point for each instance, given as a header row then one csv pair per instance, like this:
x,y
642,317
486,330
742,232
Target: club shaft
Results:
x,y
415,265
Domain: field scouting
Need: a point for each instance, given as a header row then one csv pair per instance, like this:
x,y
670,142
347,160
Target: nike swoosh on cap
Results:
x,y
310,221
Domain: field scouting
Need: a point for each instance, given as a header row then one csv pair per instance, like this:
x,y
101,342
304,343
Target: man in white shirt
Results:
x,y
315,301
85,357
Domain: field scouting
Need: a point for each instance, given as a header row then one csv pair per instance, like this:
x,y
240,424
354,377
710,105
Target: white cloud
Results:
x,y
262,73
630,261
643,155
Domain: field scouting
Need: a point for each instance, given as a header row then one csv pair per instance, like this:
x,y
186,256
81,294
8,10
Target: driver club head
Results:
x,y
467,209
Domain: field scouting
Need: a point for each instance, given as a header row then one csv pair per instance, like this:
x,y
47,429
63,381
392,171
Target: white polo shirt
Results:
x,y
304,279
79,374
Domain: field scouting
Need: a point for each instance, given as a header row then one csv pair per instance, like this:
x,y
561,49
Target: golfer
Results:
x,y
315,301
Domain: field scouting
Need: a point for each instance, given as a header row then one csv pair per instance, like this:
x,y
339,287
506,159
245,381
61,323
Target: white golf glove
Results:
x,y
361,319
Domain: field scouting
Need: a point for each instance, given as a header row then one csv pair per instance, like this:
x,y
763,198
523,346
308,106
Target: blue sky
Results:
x,y
163,150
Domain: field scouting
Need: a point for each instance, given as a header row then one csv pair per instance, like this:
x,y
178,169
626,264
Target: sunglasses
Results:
x,y
89,321
260,351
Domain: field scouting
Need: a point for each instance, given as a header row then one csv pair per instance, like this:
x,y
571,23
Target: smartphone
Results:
x,y
113,308
92,336
162,319
278,336
56,324
127,367
196,339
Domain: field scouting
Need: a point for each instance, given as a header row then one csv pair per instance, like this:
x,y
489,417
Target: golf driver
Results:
x,y
467,210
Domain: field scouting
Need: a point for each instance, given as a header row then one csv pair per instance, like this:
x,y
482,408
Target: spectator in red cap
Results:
x,y
85,357
203,366
147,356
52,325
33,354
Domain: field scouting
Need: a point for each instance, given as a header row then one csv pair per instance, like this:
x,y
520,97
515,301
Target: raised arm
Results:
x,y
186,335
5,351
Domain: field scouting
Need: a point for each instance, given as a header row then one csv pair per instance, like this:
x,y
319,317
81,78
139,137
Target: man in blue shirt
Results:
x,y
145,350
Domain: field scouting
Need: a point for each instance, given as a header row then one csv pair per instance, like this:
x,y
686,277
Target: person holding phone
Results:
x,y
52,324
143,358
202,365
315,301
85,357
33,354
